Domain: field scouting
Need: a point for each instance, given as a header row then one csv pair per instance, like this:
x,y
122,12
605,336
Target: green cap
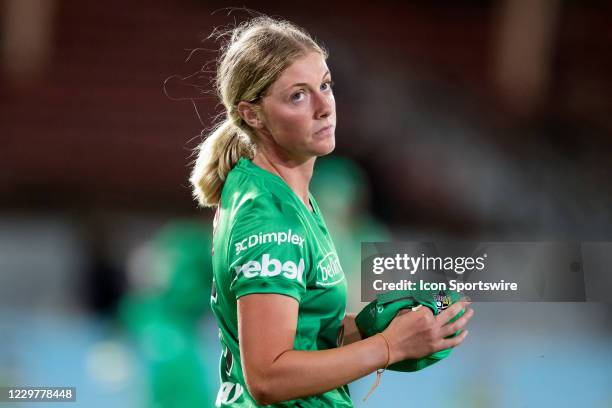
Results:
x,y
377,315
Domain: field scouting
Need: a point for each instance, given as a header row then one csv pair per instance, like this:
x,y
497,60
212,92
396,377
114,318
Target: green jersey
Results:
x,y
267,241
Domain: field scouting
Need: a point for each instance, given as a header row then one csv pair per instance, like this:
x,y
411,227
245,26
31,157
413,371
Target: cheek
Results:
x,y
292,124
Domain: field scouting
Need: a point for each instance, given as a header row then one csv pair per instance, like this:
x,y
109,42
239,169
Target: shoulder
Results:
x,y
246,196
265,211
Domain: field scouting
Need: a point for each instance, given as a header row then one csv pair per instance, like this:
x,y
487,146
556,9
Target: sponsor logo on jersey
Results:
x,y
278,238
329,271
229,361
269,267
225,395
442,300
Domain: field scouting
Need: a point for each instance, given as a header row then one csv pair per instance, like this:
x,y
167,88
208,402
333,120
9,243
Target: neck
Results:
x,y
296,173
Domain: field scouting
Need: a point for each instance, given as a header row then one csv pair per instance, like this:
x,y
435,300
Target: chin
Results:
x,y
326,146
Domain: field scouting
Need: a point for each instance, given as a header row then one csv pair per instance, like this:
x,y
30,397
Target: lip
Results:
x,y
326,129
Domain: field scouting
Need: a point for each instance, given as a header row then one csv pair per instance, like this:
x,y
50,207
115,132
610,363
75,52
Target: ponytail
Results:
x,y
217,155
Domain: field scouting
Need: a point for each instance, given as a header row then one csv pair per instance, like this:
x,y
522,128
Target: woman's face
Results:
x,y
299,110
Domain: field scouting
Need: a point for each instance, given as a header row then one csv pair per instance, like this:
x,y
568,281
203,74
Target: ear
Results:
x,y
250,114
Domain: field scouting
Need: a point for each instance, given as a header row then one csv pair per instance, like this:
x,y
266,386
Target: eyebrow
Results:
x,y
304,83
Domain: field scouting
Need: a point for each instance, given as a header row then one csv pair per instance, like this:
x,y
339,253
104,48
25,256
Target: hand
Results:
x,y
413,335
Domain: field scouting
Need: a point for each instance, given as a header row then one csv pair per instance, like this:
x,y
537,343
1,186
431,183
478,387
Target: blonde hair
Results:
x,y
258,51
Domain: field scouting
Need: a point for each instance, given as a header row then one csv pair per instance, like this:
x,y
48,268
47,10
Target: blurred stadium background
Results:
x,y
487,120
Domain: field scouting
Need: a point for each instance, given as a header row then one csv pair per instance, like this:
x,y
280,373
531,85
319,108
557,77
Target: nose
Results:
x,y
324,104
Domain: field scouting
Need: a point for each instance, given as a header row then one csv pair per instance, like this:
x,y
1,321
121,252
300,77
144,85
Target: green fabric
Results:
x,y
267,241
185,265
163,312
378,314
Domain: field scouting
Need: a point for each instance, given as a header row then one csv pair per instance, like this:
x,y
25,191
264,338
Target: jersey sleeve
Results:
x,y
268,251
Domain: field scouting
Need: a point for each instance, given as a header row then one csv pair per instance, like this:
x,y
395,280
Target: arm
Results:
x,y
351,332
275,372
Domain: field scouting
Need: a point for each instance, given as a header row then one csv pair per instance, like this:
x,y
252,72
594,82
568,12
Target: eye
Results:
x,y
327,85
298,96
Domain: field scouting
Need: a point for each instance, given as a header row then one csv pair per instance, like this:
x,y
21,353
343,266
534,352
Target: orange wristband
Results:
x,y
388,350
380,370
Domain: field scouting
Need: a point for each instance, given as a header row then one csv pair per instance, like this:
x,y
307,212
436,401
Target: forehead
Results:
x,y
308,69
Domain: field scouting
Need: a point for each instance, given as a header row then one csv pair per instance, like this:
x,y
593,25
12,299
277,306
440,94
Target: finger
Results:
x,y
453,341
457,325
451,312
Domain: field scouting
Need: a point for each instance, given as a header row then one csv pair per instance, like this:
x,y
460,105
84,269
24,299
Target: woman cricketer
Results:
x,y
279,292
